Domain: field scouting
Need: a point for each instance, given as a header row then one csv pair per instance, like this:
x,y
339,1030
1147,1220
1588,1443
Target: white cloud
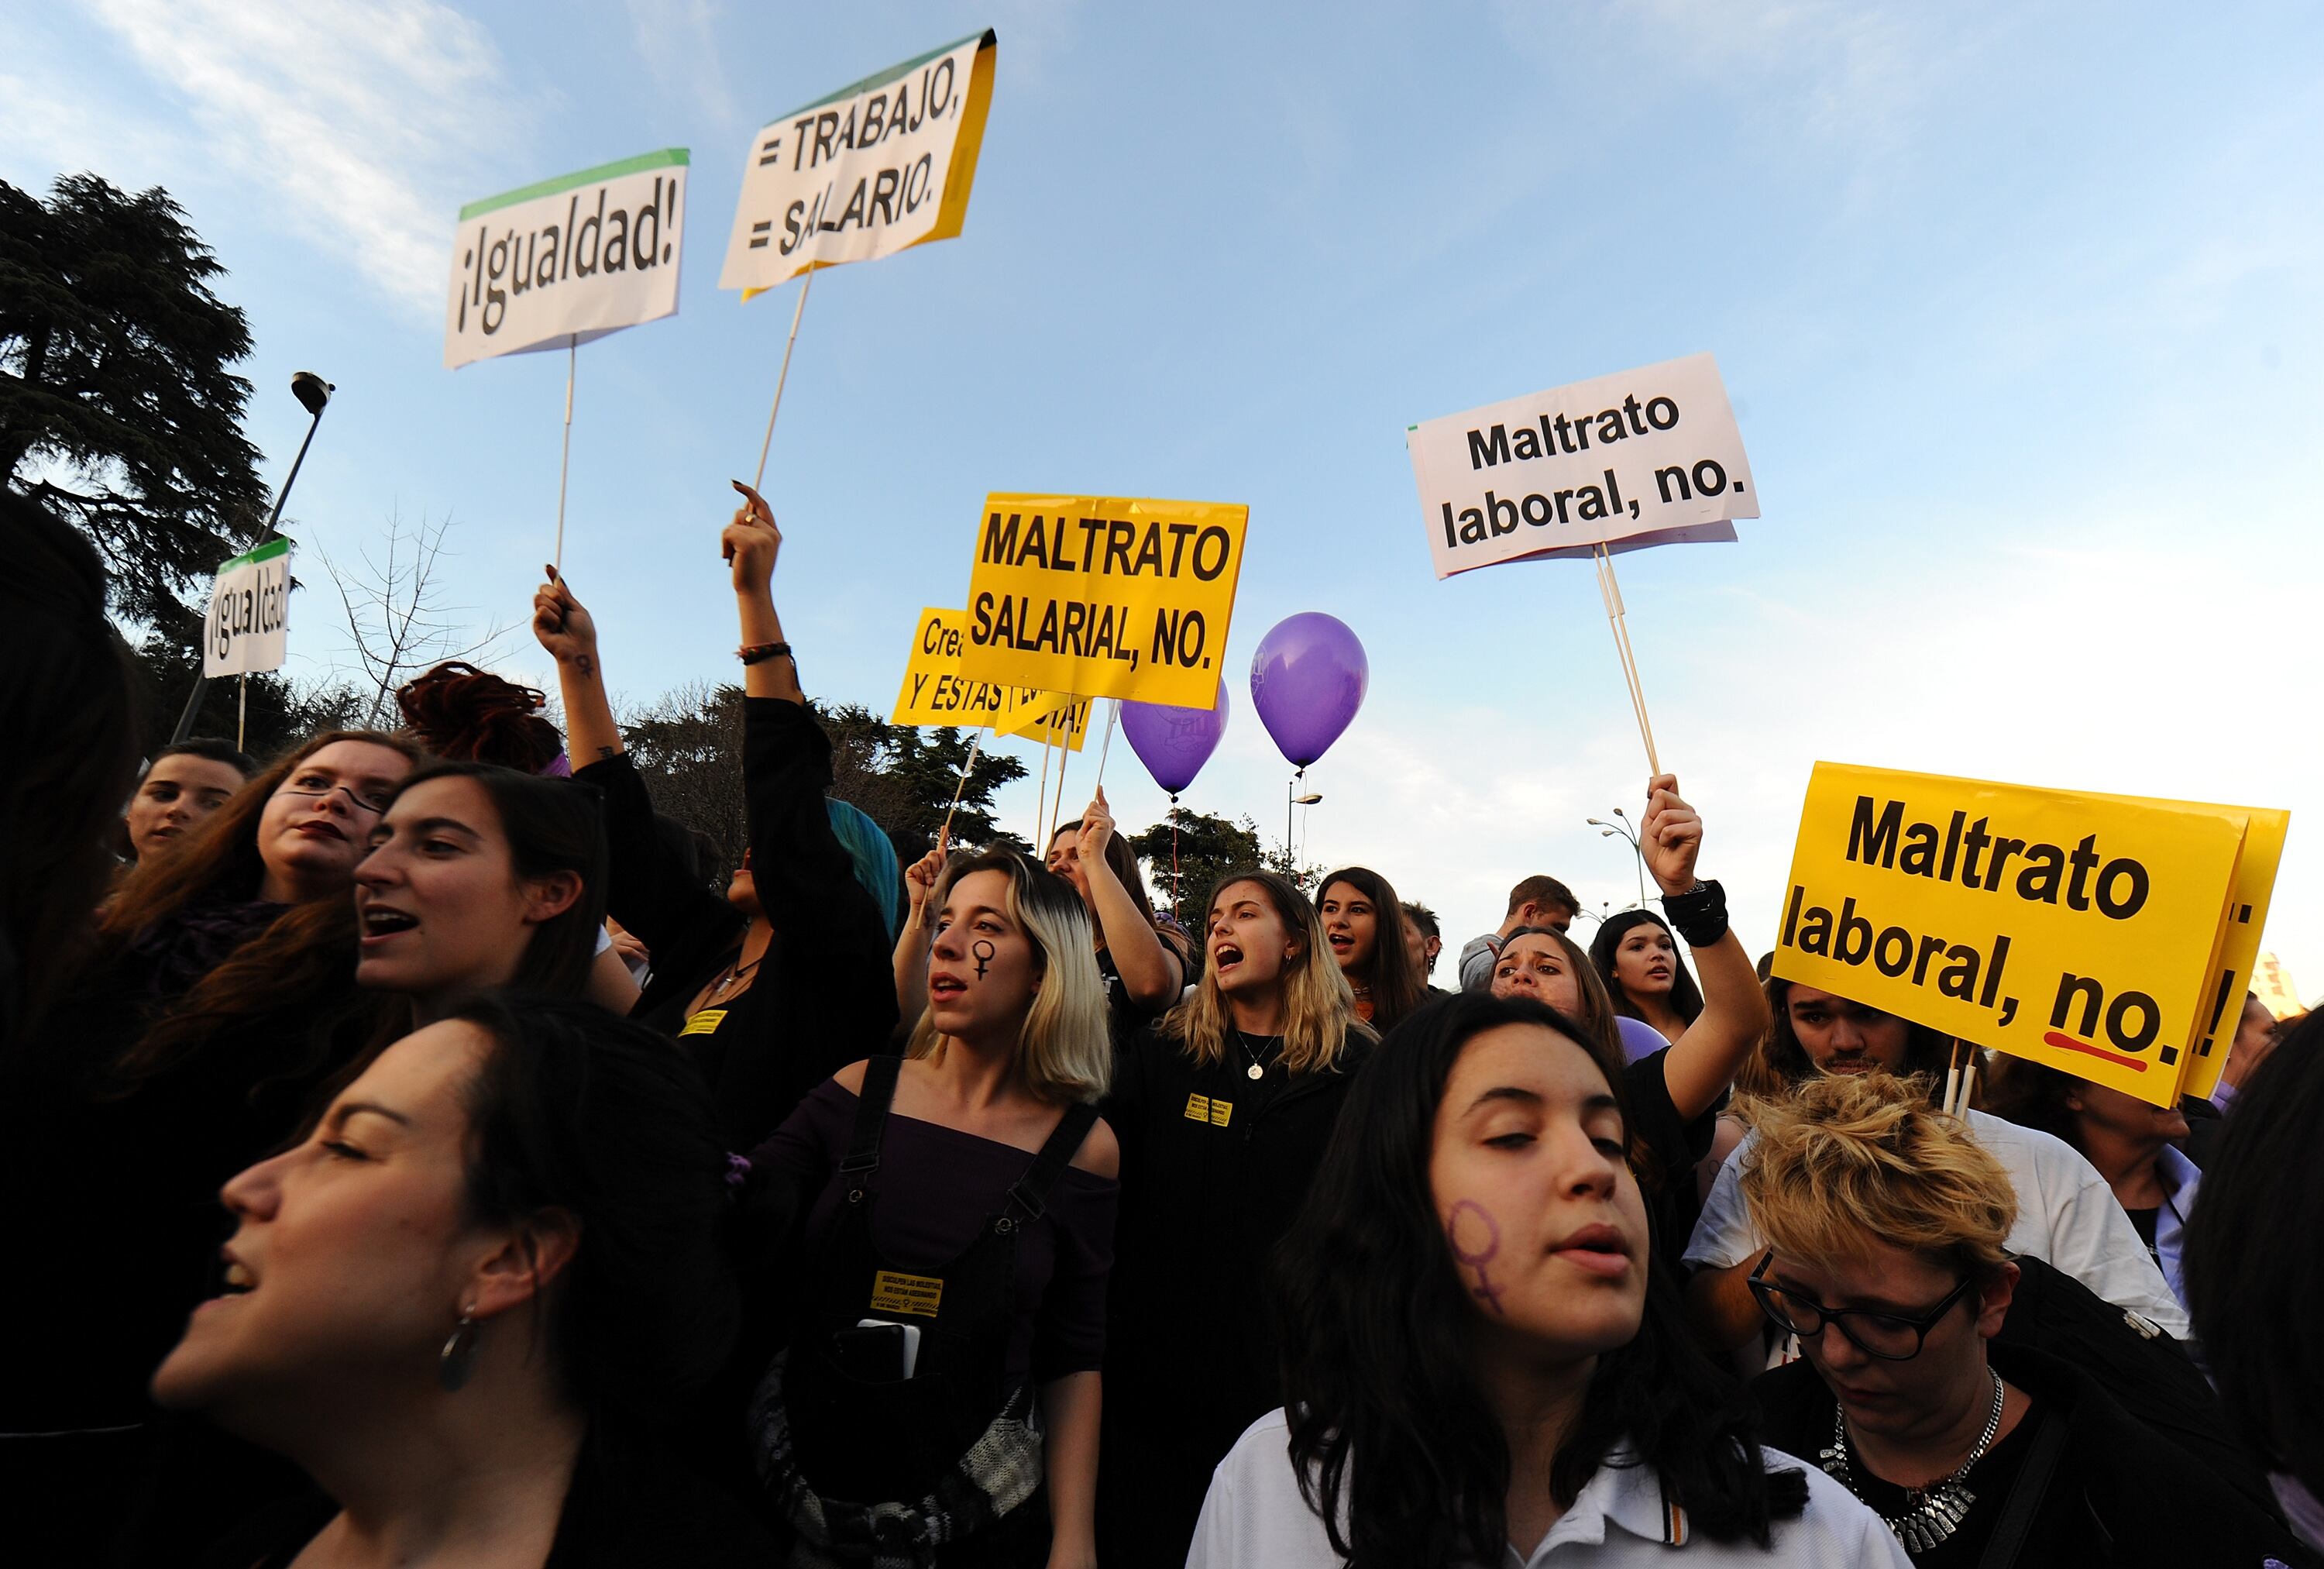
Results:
x,y
677,40
358,119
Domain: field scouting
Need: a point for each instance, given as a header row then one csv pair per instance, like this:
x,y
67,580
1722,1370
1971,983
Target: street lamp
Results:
x,y
314,394
1623,831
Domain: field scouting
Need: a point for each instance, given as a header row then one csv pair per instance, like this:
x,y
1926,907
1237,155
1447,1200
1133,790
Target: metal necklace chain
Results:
x,y
1941,1508
1258,1068
736,972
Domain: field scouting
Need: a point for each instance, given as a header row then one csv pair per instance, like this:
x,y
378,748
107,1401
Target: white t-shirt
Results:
x,y
2067,1217
1254,1518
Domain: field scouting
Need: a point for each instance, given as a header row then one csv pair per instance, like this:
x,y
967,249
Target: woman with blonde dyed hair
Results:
x,y
958,1208
1887,1227
1224,1107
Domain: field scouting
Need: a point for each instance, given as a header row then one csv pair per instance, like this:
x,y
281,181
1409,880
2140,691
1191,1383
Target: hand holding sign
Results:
x,y
920,879
1671,836
564,629
752,541
1097,827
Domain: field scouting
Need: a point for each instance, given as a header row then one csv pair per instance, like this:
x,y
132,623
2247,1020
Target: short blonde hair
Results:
x,y
1063,1051
1849,1160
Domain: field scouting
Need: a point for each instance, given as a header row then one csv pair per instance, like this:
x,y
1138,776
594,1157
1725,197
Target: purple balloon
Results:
x,y
1174,743
1640,1039
1307,680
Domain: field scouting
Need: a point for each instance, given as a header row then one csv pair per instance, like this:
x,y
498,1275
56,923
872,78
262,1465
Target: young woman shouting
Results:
x,y
1224,1109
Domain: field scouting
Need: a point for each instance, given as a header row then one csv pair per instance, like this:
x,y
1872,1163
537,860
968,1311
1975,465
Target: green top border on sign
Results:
x,y
985,40
266,552
667,157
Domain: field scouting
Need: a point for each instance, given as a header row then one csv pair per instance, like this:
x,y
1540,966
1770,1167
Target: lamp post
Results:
x,y
314,394
1628,835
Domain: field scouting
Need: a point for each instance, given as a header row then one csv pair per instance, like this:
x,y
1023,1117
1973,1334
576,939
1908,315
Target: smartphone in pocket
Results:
x,y
877,1350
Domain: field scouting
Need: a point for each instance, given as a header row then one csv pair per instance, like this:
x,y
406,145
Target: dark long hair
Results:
x,y
2033,1094
578,1111
298,967
2252,1284
1378,1364
1685,996
552,824
68,709
1395,985
1927,1052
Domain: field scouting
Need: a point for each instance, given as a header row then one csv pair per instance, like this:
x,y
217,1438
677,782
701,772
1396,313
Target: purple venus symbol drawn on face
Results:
x,y
1481,1229
982,951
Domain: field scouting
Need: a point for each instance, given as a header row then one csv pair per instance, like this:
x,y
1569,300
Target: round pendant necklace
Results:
x,y
1937,1511
1258,1068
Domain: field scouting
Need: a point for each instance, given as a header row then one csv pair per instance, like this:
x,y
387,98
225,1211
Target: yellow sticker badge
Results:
x,y
705,1022
919,1294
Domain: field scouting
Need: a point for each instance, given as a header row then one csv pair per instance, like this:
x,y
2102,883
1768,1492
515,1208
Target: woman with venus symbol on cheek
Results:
x,y
1478,1365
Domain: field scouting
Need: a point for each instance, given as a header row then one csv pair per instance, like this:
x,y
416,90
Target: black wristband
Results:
x,y
1698,914
758,651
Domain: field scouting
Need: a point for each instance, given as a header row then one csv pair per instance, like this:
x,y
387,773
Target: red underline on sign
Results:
x,y
2068,1043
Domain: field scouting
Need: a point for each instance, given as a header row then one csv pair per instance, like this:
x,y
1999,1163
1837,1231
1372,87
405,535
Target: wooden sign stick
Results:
x,y
1611,591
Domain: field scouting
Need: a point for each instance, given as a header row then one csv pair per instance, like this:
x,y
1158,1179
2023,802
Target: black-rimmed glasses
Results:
x,y
375,807
1892,1337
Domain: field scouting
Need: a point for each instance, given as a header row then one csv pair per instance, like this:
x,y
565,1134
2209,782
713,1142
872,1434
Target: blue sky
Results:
x,y
2018,305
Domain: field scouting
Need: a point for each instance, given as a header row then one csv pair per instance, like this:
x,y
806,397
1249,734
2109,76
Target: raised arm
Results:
x,y
1703,1061
1150,974
568,635
911,957
647,890
751,543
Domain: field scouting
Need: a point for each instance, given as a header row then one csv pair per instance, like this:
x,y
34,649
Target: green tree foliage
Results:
x,y
117,406
688,745
1205,849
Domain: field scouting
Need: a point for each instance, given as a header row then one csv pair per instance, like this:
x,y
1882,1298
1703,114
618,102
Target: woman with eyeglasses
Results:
x,y
1888,1231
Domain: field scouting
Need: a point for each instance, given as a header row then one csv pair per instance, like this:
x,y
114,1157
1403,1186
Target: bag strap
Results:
x,y
1029,1197
880,1075
2008,1536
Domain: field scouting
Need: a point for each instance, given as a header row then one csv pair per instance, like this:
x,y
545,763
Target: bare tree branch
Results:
x,y
398,623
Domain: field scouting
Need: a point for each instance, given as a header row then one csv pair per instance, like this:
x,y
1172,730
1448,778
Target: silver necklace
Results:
x,y
1937,1511
1257,1070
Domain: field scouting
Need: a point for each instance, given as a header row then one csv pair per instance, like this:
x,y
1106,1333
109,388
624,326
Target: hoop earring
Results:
x,y
456,1363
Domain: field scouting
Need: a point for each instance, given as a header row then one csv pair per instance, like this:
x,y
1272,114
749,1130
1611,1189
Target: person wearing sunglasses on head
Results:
x,y
1887,1228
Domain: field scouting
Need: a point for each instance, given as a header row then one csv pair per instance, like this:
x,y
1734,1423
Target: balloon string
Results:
x,y
1175,887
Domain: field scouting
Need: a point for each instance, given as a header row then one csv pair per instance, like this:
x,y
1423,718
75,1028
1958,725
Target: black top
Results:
x,y
117,1182
1124,1015
823,996
1988,1483
939,1186
1214,1167
1673,1147
628,1504
2121,1495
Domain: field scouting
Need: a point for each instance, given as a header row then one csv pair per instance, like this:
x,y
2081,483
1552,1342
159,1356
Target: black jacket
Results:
x,y
825,995
1213,1169
2122,1496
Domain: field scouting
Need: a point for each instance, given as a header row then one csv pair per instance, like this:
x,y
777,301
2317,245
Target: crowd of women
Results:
x,y
420,1151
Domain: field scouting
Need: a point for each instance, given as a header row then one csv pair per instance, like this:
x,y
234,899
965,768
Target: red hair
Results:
x,y
471,716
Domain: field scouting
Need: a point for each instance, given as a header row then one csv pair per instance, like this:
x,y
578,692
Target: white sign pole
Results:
x,y
240,710
944,834
1106,746
759,479
565,459
1611,591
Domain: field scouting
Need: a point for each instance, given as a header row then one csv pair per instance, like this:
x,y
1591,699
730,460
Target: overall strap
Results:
x,y
1029,1197
880,1075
